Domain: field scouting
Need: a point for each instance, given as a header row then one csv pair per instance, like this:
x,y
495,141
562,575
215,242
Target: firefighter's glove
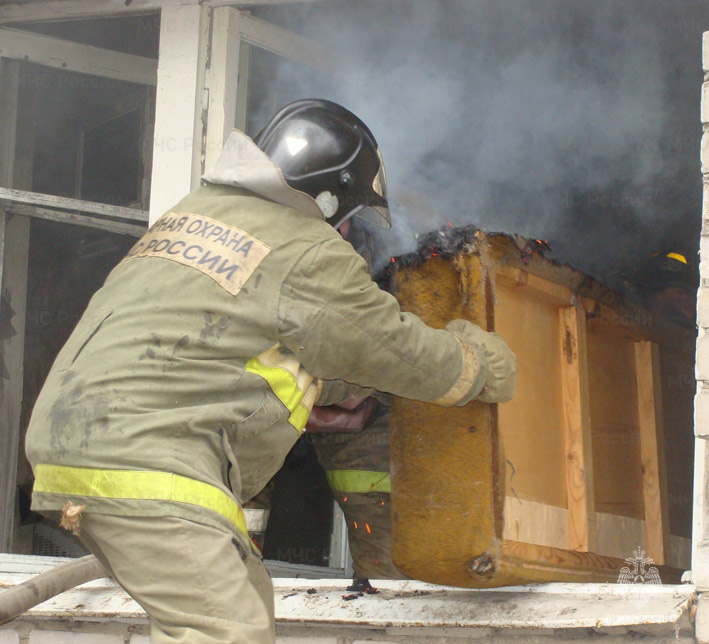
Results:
x,y
492,350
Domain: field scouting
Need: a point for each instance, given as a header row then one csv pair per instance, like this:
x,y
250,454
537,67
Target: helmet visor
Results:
x,y
378,212
378,215
379,185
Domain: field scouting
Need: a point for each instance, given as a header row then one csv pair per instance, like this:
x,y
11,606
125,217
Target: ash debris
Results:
x,y
666,293
448,241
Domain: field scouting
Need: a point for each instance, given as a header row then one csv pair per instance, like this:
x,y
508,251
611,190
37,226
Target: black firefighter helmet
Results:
x,y
327,152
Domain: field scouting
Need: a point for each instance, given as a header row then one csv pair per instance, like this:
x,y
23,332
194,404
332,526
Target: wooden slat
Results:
x,y
180,101
74,57
657,519
14,288
14,246
537,523
10,198
289,44
577,430
517,277
9,84
243,86
566,565
222,80
8,441
616,536
73,9
531,423
77,219
635,323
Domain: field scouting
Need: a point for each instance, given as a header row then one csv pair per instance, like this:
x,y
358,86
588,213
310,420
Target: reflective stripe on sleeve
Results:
x,y
359,481
292,384
144,486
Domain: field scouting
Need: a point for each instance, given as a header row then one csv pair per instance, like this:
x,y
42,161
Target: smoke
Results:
x,y
572,121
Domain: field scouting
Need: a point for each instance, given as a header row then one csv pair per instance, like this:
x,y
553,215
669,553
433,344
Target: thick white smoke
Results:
x,y
569,120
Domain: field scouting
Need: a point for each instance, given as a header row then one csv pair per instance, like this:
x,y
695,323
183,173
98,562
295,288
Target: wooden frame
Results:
x,y
74,211
474,548
577,430
579,465
232,34
14,242
657,518
73,9
196,107
74,57
177,139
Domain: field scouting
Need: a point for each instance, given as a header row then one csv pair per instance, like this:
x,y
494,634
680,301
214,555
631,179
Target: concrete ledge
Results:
x,y
401,609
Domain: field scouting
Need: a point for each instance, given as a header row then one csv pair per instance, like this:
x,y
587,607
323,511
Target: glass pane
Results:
x,y
275,81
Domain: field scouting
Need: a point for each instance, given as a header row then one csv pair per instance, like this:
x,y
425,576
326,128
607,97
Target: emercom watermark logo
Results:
x,y
637,573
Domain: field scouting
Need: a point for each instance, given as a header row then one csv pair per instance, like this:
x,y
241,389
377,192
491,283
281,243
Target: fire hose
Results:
x,y
21,598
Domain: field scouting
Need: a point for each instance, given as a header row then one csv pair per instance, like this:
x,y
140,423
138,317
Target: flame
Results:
x,y
355,525
366,525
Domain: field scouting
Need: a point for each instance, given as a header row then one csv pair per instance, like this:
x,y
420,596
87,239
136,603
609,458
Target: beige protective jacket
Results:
x,y
194,368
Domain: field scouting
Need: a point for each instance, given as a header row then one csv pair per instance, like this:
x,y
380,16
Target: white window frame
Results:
x,y
227,91
224,103
199,98
17,205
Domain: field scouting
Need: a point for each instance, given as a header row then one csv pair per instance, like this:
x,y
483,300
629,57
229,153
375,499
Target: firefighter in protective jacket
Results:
x,y
195,367
353,448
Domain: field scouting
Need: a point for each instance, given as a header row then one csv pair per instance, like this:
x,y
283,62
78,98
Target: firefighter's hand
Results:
x,y
491,348
349,417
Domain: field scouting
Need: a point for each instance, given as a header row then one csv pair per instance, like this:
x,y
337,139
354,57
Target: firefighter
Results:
x,y
674,283
352,445
195,367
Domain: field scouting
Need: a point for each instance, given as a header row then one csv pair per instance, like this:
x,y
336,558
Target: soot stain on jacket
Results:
x,y
213,329
68,417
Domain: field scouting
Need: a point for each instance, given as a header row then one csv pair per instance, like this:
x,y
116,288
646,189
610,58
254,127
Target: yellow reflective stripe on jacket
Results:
x,y
145,486
292,384
359,481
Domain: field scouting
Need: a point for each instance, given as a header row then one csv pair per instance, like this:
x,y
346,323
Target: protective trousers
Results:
x,y
357,468
198,584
